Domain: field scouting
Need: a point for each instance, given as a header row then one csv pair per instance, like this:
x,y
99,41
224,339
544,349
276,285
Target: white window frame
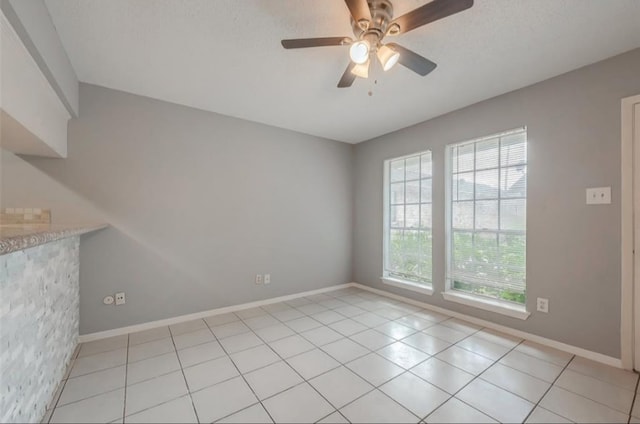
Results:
x,y
469,299
386,278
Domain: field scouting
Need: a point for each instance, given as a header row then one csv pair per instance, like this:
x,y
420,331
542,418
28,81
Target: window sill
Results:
x,y
491,305
408,285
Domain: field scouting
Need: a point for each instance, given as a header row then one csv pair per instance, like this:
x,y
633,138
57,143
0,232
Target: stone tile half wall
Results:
x,y
39,311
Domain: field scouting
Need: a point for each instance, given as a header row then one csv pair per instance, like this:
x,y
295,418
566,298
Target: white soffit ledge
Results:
x,y
32,22
38,117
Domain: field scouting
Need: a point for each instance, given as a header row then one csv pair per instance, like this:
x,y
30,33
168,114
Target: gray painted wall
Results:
x,y
198,202
23,185
573,250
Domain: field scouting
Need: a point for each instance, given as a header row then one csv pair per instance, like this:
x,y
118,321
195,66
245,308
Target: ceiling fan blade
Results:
x,y
359,10
412,60
437,9
348,77
299,43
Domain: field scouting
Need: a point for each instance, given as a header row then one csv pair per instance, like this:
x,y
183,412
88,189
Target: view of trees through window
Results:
x,y
408,227
486,203
487,199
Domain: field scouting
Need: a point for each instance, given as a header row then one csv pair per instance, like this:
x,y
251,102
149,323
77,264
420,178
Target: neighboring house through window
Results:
x,y
486,203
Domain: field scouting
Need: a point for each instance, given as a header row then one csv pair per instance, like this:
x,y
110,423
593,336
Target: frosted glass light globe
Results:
x,y
359,52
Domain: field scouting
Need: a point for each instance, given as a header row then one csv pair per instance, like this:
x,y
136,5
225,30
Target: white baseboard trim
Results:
x,y
594,356
198,315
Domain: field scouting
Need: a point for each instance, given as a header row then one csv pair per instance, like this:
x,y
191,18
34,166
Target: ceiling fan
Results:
x,y
372,20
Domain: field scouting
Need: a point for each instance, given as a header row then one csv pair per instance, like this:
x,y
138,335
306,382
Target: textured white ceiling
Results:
x,y
225,56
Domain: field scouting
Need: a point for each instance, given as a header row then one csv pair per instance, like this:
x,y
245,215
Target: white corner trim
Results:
x,y
408,285
594,356
199,315
487,304
627,230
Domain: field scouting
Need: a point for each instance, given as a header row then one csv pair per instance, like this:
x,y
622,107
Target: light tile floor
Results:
x,y
347,355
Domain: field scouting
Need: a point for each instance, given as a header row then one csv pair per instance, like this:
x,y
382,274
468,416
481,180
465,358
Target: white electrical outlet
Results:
x,y
599,196
258,278
543,305
120,300
267,278
108,300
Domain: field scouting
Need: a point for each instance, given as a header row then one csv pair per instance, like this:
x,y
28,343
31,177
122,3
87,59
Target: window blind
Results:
x,y
408,238
487,216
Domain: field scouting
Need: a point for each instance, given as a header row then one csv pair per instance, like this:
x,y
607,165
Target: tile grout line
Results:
x,y
549,389
587,375
126,376
633,401
122,365
149,379
54,405
63,383
186,383
478,376
386,381
169,372
304,380
99,370
90,397
209,360
296,332
546,362
565,367
239,373
374,387
343,364
451,396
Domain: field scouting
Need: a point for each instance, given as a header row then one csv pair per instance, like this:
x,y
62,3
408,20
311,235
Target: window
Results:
x,y
486,213
407,217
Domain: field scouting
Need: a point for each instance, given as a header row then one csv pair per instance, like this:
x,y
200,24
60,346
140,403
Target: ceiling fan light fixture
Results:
x,y
371,21
361,70
387,57
359,52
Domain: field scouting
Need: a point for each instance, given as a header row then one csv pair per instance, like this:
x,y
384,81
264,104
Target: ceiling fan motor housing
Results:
x,y
381,17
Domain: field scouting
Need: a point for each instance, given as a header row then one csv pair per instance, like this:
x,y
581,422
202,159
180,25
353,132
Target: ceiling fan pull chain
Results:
x,y
375,70
370,92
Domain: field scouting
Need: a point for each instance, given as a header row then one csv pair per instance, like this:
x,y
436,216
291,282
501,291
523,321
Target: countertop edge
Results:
x,y
37,236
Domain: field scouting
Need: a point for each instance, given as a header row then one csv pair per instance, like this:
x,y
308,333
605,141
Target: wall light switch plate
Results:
x,y
599,196
267,278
